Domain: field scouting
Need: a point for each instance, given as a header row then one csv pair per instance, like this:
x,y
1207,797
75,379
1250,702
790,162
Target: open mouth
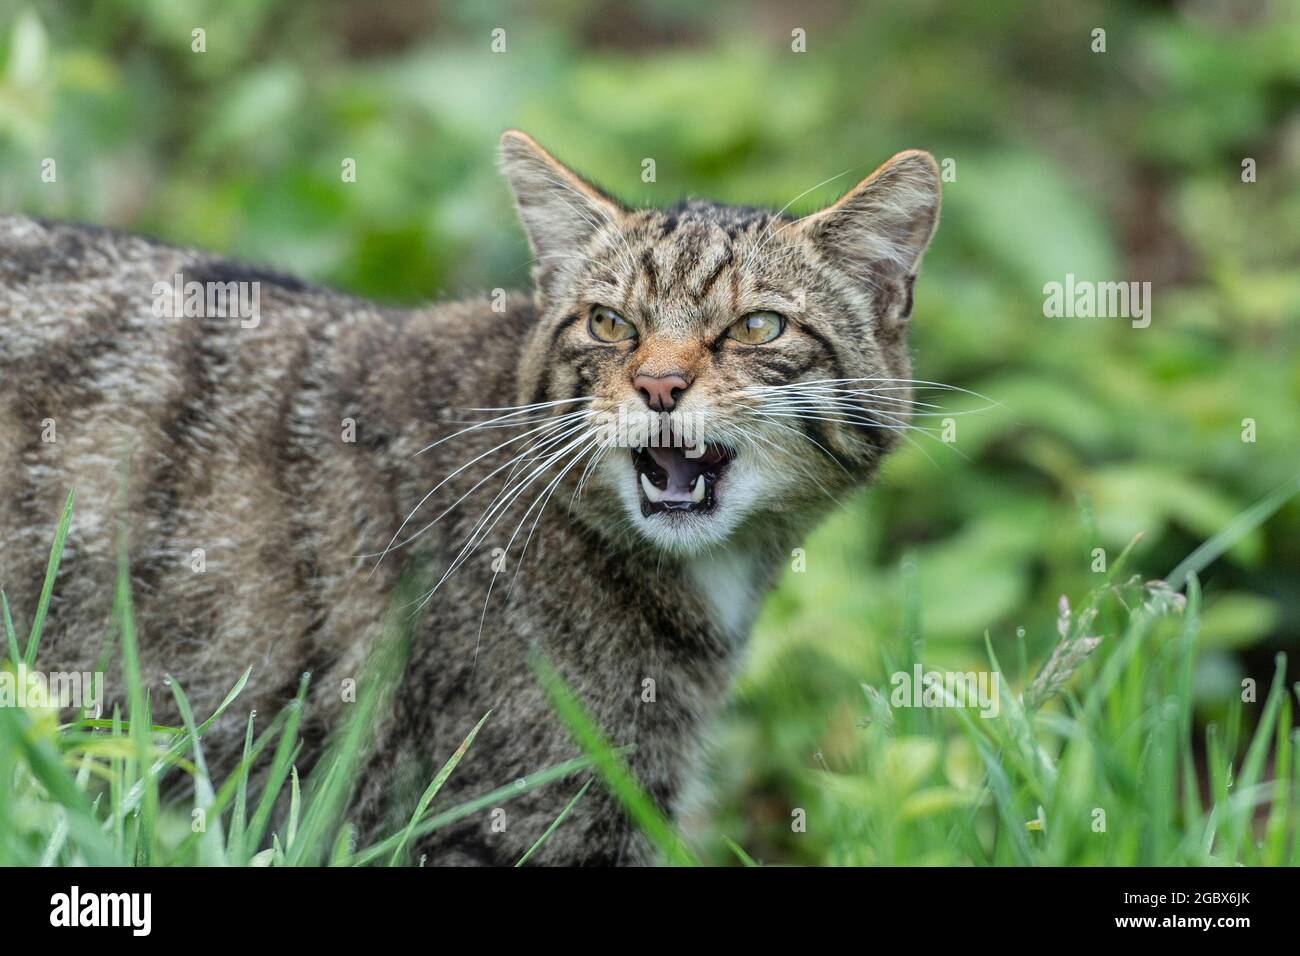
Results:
x,y
673,481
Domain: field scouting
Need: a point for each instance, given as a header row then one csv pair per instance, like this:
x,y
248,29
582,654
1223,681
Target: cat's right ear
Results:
x,y
560,210
880,228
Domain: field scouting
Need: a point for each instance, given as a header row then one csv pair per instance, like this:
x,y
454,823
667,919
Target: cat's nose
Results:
x,y
661,392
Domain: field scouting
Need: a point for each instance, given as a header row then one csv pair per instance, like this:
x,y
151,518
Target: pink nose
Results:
x,y
661,393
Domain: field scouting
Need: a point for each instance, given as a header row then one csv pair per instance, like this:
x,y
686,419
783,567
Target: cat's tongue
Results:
x,y
683,470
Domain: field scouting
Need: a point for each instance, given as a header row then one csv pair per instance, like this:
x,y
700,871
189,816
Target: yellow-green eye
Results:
x,y
757,328
607,325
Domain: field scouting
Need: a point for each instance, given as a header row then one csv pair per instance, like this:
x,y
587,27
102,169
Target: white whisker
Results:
x,y
477,458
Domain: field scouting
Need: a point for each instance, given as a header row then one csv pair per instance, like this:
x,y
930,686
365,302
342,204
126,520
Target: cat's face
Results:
x,y
724,369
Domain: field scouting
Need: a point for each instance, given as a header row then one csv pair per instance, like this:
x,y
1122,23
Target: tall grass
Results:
x,y
1095,763
1097,760
88,791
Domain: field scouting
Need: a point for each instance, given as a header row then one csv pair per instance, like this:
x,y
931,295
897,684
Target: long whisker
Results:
x,y
587,472
545,440
904,381
751,438
901,427
547,492
448,478
847,420
808,438
534,405
574,255
592,445
494,513
865,407
520,410
822,399
863,403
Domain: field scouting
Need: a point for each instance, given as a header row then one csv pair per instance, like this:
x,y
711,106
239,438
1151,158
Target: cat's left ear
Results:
x,y
879,229
560,210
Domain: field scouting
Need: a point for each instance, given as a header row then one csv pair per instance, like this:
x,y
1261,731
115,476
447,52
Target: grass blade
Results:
x,y
741,855
555,823
279,770
434,786
295,804
47,588
611,768
210,851
138,713
11,639
1237,528
239,816
470,807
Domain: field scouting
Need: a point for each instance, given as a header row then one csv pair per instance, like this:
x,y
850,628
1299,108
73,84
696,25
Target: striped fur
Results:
x,y
199,433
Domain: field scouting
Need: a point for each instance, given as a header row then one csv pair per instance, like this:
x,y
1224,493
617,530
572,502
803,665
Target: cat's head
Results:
x,y
765,355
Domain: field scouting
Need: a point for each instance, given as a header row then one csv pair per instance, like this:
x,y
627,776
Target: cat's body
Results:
x,y
266,459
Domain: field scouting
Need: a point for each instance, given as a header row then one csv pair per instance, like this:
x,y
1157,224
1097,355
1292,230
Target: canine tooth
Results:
x,y
651,492
697,489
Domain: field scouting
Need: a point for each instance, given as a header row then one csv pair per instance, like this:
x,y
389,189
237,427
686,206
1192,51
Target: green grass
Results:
x,y
236,151
89,791
1094,764
1096,761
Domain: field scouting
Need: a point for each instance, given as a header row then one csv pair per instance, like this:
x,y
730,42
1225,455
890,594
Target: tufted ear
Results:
x,y
878,230
560,210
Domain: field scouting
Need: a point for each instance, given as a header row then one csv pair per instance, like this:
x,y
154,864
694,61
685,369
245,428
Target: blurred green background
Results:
x,y
1116,165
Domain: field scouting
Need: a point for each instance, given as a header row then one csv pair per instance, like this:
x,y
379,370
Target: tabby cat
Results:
x,y
286,471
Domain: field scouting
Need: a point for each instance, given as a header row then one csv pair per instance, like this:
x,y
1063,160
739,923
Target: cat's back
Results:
x,y
112,352
198,407
63,279
251,436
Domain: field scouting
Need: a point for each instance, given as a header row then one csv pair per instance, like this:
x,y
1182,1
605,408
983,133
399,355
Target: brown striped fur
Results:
x,y
233,441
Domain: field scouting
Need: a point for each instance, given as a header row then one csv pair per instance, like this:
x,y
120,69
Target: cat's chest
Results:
x,y
727,585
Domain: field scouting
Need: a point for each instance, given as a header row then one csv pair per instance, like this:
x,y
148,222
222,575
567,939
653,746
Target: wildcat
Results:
x,y
286,470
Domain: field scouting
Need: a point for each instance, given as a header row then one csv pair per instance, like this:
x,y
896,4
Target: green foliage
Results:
x,y
1043,777
88,791
1125,165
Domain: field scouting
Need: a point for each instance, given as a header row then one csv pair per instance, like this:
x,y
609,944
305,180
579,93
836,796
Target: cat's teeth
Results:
x,y
697,489
651,492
